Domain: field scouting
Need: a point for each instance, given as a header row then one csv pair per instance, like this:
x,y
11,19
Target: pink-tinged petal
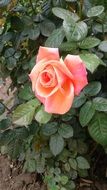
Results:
x,y
78,70
47,54
42,100
60,103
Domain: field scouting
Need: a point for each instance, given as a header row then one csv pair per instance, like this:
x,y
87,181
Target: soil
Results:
x,y
12,177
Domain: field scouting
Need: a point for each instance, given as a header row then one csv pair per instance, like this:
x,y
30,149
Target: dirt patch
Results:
x,y
12,177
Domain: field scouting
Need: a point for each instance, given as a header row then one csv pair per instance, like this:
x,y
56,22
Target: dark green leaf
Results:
x,y
65,130
79,100
26,92
92,89
73,163
89,42
56,38
11,63
86,113
50,128
4,124
30,165
63,14
100,104
9,52
82,163
56,144
47,27
34,33
98,128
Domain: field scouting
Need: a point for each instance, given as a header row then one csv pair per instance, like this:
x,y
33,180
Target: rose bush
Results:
x,y
55,82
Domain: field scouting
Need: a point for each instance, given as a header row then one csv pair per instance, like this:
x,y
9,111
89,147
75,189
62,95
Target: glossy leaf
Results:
x,y
98,128
65,130
41,116
91,61
50,128
86,113
56,144
95,11
92,89
24,113
82,163
89,42
100,104
56,38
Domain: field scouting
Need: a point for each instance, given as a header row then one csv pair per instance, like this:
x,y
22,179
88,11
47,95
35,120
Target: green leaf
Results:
x,y
41,116
68,46
11,63
21,79
34,33
86,113
47,27
89,42
5,123
100,104
26,92
24,113
56,38
64,180
65,130
56,144
50,128
64,14
103,46
4,3
73,163
92,89
2,108
9,52
91,61
75,32
40,164
82,163
95,11
30,165
98,128
79,100
98,27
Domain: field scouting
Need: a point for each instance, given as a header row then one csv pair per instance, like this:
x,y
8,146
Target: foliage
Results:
x,y
56,146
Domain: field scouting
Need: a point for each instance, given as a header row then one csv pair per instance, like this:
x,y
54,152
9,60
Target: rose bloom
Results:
x,y
55,81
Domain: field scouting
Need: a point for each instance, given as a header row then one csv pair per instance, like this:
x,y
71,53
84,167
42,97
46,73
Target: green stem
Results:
x,y
5,107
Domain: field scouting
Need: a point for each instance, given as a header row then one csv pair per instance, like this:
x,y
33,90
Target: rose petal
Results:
x,y
47,54
44,92
38,68
59,102
78,70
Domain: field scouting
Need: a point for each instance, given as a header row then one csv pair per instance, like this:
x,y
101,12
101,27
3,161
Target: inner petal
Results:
x,y
48,77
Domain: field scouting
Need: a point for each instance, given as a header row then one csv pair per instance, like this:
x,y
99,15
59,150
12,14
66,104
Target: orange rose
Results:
x,y
55,82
